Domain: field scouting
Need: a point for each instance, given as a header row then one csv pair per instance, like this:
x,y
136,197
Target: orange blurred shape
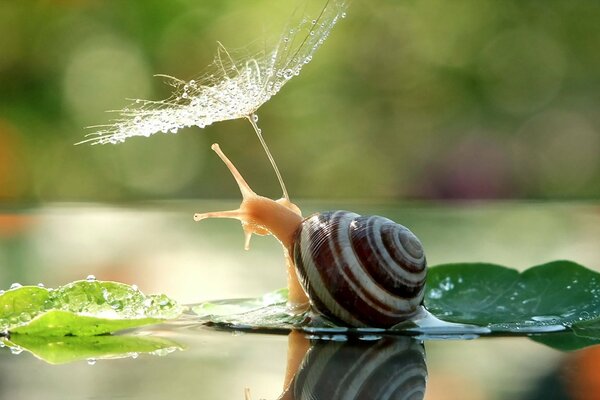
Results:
x,y
583,374
14,224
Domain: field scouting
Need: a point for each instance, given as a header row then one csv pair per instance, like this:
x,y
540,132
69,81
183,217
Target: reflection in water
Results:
x,y
67,349
388,368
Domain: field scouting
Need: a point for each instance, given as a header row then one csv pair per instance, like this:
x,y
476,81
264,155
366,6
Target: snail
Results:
x,y
358,271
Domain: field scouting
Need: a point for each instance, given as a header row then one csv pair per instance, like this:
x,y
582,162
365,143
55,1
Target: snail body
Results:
x,y
360,271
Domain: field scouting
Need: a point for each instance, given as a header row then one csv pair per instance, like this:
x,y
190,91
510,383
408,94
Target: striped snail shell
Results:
x,y
357,271
360,270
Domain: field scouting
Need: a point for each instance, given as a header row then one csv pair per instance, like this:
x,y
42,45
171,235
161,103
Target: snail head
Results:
x,y
258,214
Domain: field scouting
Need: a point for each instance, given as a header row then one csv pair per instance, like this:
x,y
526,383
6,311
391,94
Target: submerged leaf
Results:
x,y
565,341
81,308
588,329
231,88
269,312
62,350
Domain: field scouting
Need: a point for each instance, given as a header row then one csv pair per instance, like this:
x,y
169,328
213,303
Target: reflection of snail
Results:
x,y
359,271
390,368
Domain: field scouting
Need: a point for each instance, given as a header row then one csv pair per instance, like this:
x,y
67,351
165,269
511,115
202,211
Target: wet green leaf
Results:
x,y
62,350
269,311
67,323
560,293
81,308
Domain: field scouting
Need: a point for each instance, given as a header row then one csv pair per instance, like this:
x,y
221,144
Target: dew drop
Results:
x,y
91,361
584,315
435,294
40,284
254,117
15,285
446,284
90,278
16,350
25,317
134,287
343,15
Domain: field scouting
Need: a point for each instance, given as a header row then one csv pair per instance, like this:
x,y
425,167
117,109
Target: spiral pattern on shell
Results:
x,y
361,271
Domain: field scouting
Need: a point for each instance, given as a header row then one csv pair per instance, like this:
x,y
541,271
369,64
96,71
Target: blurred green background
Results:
x,y
425,99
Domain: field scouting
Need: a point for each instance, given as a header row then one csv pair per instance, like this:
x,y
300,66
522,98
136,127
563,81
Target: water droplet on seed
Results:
x,y
15,285
90,278
288,73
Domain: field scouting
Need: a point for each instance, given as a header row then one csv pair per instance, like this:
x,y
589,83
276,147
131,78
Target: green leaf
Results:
x,y
62,350
67,323
81,308
555,294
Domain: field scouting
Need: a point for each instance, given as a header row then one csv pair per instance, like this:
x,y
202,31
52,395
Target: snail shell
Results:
x,y
360,270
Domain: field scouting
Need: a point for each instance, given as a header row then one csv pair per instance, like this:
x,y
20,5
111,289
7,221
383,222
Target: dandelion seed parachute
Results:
x,y
230,89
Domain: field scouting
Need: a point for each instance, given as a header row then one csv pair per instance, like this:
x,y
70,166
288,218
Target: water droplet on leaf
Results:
x,y
435,294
